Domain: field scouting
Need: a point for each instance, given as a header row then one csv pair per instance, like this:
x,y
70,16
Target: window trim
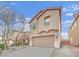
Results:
x,y
47,18
33,26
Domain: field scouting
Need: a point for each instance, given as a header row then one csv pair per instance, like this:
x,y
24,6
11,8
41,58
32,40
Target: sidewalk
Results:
x,y
75,51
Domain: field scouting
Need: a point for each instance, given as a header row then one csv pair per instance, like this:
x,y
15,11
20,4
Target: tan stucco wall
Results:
x,y
35,30
74,33
54,24
54,21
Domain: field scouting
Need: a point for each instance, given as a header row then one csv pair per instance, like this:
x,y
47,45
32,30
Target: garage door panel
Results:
x,y
44,41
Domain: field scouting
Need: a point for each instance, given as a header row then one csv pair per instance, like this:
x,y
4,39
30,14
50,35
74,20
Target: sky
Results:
x,y
30,8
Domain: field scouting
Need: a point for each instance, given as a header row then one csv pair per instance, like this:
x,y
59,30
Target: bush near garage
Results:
x,y
2,46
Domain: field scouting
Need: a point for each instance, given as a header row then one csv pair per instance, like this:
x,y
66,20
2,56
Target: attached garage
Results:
x,y
43,41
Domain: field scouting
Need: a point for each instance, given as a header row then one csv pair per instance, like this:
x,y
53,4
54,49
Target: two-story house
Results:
x,y
46,28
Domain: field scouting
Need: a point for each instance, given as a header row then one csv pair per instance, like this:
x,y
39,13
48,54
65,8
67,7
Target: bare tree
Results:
x,y
20,28
9,23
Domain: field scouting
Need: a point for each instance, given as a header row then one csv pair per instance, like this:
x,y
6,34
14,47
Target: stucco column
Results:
x,y
30,42
57,41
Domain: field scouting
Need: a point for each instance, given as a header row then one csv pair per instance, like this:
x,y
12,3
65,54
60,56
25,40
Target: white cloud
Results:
x,y
69,14
65,9
75,7
68,22
27,27
64,35
28,19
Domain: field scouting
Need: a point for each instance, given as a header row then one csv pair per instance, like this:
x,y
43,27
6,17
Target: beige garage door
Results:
x,y
43,41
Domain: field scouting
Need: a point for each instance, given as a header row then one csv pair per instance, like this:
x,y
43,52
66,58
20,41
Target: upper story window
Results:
x,y
47,21
33,26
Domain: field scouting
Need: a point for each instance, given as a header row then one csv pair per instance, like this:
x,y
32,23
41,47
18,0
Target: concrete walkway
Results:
x,y
66,51
75,51
62,52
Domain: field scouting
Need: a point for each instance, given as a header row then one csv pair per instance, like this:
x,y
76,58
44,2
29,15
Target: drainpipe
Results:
x,y
59,35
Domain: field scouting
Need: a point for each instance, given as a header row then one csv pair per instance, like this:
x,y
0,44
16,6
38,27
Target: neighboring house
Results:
x,y
65,42
74,31
46,28
22,38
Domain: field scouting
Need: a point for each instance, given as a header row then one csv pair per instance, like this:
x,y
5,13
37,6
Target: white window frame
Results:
x,y
47,21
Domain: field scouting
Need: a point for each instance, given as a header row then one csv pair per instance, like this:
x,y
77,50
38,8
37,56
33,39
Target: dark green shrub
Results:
x,y
2,46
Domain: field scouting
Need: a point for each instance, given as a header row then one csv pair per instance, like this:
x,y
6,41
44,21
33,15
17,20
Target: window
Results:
x,y
47,21
34,26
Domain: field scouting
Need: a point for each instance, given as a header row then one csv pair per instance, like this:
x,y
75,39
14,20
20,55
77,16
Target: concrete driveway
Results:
x,y
66,51
29,52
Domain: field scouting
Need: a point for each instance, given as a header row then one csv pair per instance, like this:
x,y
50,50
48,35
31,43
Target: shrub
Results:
x,y
2,46
26,43
18,43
